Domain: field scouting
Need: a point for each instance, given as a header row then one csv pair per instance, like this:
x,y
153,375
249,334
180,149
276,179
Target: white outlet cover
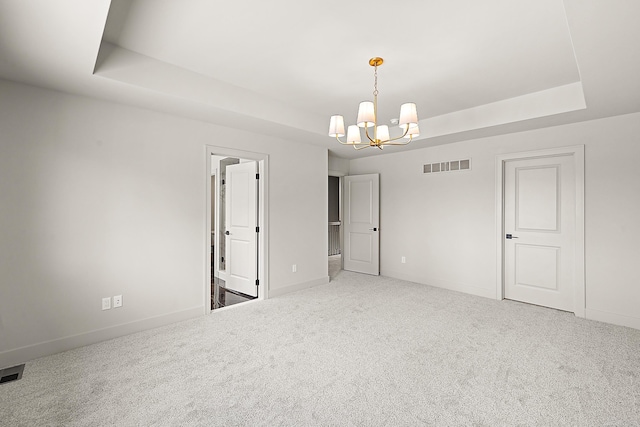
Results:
x,y
117,301
106,303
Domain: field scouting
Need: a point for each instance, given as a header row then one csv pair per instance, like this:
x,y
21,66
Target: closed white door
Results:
x,y
361,224
540,232
241,234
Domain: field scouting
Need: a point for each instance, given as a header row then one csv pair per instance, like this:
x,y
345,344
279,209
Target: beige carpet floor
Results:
x,y
360,351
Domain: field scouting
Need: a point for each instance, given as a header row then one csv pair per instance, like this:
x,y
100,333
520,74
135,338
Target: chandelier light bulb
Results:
x,y
366,114
408,114
353,135
414,132
336,126
383,133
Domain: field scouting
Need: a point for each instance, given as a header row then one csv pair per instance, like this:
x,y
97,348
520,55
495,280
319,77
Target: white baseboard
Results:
x,y
23,354
298,287
616,319
452,286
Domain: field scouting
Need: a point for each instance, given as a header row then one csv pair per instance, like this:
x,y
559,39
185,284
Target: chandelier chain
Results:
x,y
375,81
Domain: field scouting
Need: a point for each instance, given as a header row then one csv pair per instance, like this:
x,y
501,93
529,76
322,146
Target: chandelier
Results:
x,y
368,118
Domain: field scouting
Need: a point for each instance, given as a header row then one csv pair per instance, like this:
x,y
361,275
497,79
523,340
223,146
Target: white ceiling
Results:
x,y
283,67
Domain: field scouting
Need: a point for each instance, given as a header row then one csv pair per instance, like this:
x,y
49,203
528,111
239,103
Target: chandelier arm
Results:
x,y
366,132
347,143
397,143
399,137
338,139
390,142
362,148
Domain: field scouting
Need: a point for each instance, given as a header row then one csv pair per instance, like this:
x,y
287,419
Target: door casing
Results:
x,y
340,176
262,161
577,153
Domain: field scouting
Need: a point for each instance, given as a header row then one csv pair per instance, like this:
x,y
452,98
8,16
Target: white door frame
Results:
x,y
577,152
340,176
262,161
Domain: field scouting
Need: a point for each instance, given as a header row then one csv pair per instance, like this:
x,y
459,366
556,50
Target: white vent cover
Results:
x,y
450,166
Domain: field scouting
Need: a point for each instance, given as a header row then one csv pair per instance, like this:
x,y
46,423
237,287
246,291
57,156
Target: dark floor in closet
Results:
x,y
226,297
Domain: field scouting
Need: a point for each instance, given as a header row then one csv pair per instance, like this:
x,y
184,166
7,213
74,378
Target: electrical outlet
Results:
x,y
106,303
117,301
404,260
294,268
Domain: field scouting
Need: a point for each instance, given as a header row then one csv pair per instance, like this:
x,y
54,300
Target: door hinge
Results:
x,y
221,259
257,229
222,182
257,176
257,282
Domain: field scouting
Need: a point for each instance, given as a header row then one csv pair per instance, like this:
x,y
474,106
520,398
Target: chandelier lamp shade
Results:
x,y
376,135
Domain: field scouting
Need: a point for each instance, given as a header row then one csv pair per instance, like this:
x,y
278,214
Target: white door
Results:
x,y
540,231
361,224
241,235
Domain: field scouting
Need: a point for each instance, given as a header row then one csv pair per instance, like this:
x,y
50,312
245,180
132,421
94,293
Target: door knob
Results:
x,y
373,229
227,233
509,236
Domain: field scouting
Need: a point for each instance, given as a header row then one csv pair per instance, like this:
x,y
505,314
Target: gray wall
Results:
x,y
338,166
100,199
445,224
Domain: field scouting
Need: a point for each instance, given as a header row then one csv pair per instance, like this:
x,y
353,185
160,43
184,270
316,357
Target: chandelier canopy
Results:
x,y
368,118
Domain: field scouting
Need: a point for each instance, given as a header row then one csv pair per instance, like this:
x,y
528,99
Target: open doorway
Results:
x,y
236,232
335,226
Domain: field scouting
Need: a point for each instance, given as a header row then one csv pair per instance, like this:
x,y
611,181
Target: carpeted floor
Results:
x,y
335,265
360,351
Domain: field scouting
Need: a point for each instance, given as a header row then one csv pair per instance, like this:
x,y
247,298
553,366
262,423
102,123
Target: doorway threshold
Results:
x,y
227,297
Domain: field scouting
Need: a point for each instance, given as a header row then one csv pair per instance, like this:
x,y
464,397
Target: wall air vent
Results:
x,y
11,374
450,166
